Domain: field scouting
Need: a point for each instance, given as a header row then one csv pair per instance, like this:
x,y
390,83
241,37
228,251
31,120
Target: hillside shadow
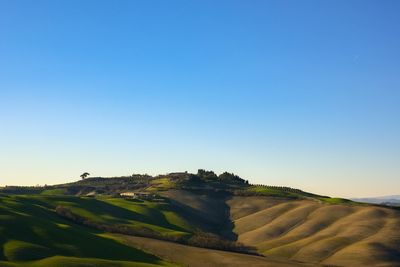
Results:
x,y
213,217
227,229
386,253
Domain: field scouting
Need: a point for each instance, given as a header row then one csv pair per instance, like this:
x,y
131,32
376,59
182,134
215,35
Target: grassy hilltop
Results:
x,y
86,223
207,181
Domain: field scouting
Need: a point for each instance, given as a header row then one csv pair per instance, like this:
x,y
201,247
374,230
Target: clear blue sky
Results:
x,y
297,93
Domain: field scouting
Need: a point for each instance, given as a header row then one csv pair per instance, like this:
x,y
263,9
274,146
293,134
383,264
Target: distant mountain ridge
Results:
x,y
391,200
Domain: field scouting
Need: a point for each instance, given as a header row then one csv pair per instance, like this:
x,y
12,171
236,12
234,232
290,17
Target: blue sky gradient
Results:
x,y
298,93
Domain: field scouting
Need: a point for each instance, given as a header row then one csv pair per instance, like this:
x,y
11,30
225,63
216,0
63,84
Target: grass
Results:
x,y
274,192
52,192
332,231
15,250
57,261
31,234
153,215
161,184
335,200
200,257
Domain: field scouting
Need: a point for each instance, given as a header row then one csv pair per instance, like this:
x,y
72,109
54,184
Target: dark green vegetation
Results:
x,y
31,234
87,223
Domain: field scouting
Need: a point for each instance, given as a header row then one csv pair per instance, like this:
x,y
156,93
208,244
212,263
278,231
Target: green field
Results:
x,y
277,191
32,234
335,200
157,216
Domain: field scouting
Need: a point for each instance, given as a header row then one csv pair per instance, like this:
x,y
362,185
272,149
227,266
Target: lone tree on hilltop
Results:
x,y
84,175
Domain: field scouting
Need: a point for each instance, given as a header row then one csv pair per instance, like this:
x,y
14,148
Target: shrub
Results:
x,y
209,240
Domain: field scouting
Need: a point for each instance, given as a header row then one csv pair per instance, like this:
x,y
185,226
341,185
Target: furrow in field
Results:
x,y
321,218
263,217
356,226
280,225
243,206
383,245
308,231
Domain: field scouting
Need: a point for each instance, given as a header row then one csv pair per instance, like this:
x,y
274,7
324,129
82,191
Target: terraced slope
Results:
x,y
316,232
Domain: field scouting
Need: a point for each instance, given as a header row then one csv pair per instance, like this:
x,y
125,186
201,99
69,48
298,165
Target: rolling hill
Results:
x,y
311,231
31,234
86,223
